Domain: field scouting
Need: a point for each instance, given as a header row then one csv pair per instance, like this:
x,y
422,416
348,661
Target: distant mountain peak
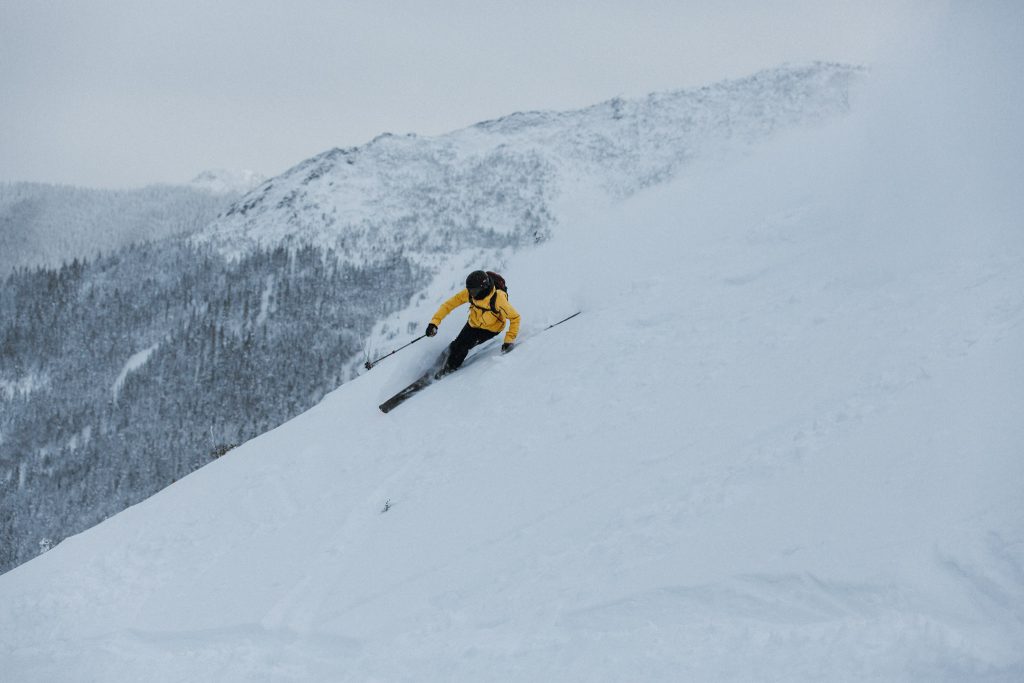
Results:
x,y
222,181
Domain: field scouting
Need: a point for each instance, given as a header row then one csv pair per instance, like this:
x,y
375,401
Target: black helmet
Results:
x,y
479,284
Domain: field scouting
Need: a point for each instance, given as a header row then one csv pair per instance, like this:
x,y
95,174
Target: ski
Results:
x,y
400,398
430,377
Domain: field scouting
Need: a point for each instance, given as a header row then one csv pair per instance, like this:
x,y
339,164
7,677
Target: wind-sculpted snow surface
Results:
x,y
495,184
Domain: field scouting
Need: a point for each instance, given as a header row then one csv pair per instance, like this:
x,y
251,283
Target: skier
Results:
x,y
488,310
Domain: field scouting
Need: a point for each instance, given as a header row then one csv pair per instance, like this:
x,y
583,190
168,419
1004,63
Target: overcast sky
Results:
x,y
123,93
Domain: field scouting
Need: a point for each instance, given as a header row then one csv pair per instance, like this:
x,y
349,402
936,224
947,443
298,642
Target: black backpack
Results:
x,y
499,283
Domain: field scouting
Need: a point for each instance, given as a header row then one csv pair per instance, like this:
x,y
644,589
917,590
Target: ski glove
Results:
x,y
505,348
431,329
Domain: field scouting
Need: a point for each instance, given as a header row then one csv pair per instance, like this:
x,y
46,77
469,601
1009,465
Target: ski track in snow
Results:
x,y
135,362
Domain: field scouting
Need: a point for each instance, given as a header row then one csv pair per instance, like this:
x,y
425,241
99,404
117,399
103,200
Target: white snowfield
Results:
x,y
784,441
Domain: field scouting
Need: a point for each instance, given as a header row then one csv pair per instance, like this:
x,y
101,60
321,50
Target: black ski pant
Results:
x,y
467,339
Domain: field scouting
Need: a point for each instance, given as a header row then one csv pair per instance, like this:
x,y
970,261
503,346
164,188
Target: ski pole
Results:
x,y
563,320
546,329
369,364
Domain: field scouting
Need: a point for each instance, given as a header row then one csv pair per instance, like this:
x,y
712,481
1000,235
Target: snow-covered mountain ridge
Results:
x,y
497,183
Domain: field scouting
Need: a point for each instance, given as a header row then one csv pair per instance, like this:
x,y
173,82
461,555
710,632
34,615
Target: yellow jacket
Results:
x,y
480,314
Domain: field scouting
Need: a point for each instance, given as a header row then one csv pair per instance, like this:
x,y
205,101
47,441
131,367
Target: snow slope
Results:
x,y
783,442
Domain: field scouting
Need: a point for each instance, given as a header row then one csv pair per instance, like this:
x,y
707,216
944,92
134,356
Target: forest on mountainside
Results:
x,y
224,351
